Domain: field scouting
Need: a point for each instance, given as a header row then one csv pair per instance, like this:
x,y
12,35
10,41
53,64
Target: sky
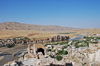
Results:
x,y
65,13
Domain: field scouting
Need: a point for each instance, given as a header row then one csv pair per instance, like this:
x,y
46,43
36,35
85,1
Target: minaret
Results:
x,y
29,49
34,49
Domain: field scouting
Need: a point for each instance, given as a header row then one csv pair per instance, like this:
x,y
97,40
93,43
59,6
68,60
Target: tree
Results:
x,y
58,57
59,52
66,52
88,44
65,47
76,45
52,47
10,45
48,49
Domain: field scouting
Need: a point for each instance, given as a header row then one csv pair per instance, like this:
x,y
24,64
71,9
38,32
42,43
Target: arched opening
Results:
x,y
36,41
62,38
40,50
58,37
47,38
53,39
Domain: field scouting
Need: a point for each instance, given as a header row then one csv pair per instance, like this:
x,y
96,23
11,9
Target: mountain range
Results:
x,y
21,26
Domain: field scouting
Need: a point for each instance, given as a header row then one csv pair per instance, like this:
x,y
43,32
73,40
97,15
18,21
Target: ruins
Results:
x,y
25,40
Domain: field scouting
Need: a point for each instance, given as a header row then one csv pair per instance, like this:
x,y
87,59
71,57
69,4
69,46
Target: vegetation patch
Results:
x,y
62,52
10,45
51,56
48,49
58,57
67,33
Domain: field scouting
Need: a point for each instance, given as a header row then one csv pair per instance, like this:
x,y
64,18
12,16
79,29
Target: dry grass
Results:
x,y
91,31
39,46
14,33
4,34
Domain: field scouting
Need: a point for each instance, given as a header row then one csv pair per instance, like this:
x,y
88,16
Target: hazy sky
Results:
x,y
69,13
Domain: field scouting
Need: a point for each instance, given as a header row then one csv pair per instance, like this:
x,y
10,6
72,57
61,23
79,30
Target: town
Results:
x,y
49,32
82,52
24,40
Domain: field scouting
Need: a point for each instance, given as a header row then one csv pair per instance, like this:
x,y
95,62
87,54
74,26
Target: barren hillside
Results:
x,y
20,26
15,29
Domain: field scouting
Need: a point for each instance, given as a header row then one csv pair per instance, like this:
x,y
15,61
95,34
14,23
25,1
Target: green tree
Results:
x,y
65,52
48,49
59,52
51,56
65,47
52,47
10,45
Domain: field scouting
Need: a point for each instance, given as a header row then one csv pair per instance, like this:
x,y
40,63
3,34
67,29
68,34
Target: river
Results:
x,y
77,38
8,57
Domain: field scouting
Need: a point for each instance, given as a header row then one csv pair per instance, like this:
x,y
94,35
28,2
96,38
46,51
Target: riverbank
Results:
x,y
17,46
21,47
1,57
7,56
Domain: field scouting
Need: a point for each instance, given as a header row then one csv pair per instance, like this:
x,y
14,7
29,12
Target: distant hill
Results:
x,y
15,29
20,26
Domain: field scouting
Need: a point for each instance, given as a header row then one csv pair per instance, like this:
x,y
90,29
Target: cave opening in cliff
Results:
x,y
40,50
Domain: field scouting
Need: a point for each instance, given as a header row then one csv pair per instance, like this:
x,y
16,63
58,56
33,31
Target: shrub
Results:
x,y
51,56
10,45
83,64
53,51
27,38
48,49
58,57
65,52
65,47
60,52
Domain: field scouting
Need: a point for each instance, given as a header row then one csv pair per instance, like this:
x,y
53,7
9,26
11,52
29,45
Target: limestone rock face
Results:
x,y
28,56
95,56
40,55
